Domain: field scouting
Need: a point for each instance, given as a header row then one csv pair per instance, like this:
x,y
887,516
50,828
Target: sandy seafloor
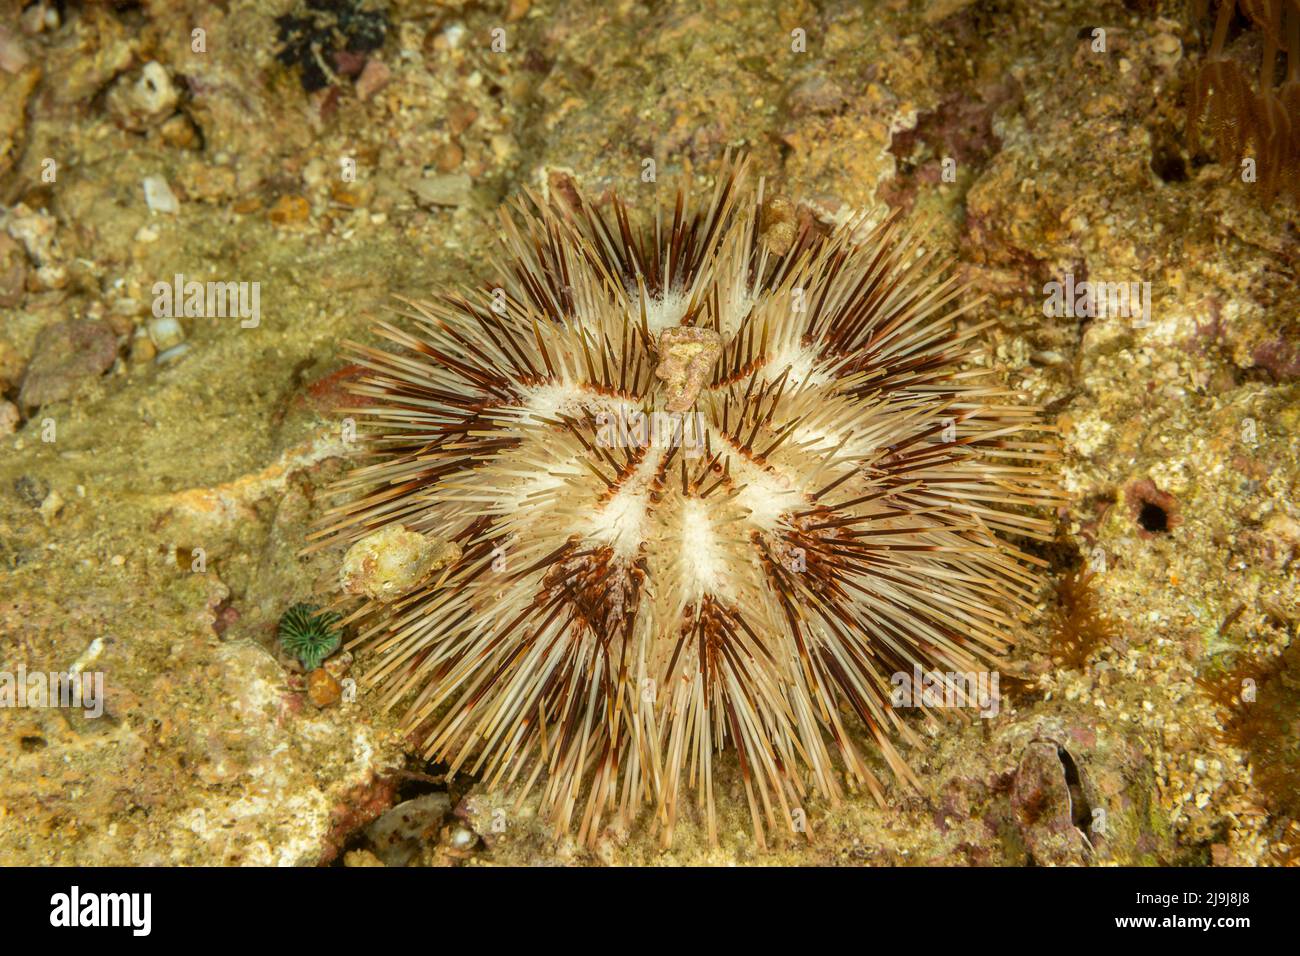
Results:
x,y
213,440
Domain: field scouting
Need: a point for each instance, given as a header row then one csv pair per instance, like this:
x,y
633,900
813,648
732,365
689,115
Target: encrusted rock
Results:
x,y
451,189
778,225
36,232
14,96
686,354
67,355
9,418
1040,798
11,366
398,835
322,689
144,99
390,562
816,94
13,272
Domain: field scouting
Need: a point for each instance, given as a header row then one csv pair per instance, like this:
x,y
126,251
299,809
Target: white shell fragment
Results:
x,y
158,196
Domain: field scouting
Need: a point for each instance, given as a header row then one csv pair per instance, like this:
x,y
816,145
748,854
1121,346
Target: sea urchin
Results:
x,y
710,493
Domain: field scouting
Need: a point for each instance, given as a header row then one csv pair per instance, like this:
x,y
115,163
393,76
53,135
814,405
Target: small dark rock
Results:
x,y
816,94
31,490
67,354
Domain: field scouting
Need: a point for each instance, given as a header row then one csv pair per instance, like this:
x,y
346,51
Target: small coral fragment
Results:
x,y
390,562
686,355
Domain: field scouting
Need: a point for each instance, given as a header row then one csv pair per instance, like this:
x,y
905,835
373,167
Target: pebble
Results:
x,y
448,157
315,172
179,132
339,665
145,101
503,146
40,16
9,418
462,838
31,490
142,347
36,232
1168,48
158,196
459,117
165,333
453,35
322,689
351,196
373,78
51,506
289,209
451,189
13,57
66,355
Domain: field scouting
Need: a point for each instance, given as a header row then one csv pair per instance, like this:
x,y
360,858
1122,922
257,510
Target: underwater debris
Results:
x,y
329,39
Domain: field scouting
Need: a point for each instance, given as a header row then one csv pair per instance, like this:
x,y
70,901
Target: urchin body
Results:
x,y
707,496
